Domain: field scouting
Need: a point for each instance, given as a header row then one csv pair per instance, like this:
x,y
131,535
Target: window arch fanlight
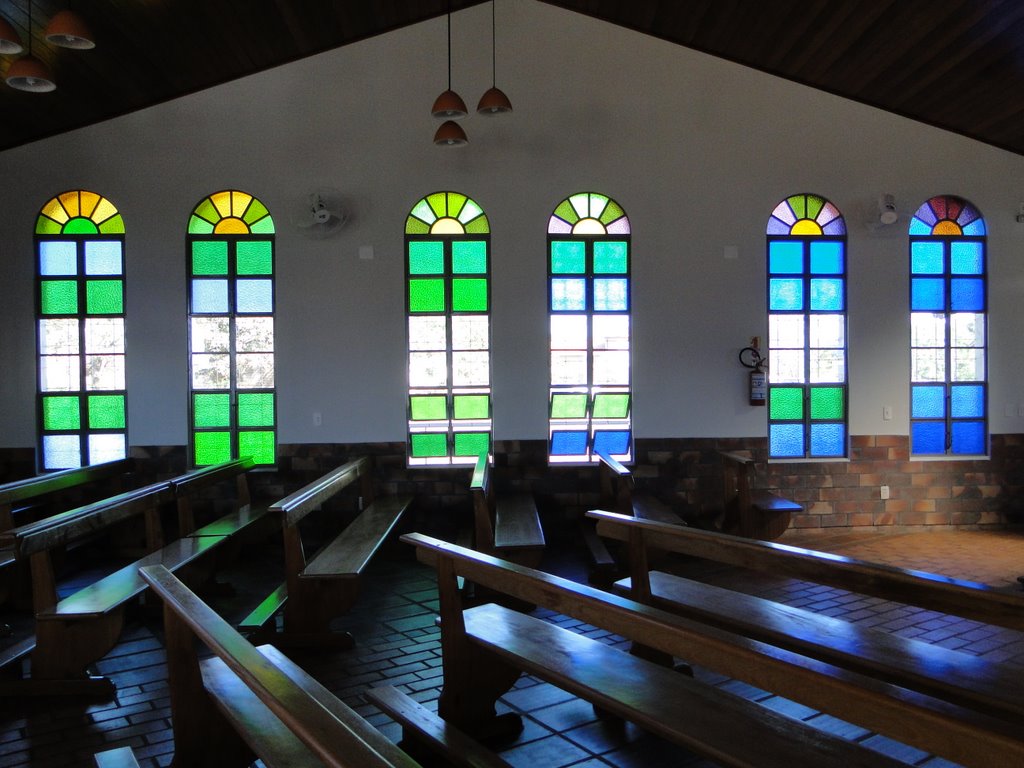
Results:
x,y
807,349
232,395
948,329
448,296
590,399
80,332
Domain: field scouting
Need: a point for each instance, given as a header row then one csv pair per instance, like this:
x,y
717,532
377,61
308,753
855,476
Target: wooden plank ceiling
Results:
x,y
954,64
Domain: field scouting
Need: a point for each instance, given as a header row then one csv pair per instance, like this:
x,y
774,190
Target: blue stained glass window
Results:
x,y
928,437
926,258
568,294
827,258
566,443
927,294
969,437
255,296
828,440
785,256
209,296
103,258
967,402
966,258
918,227
611,441
787,439
610,295
967,294
785,294
928,402
827,294
58,258
975,228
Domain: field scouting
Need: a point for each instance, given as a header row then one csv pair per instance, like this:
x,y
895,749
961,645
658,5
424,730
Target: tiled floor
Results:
x,y
397,643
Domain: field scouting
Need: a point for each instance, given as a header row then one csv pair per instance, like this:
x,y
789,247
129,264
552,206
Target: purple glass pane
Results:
x,y
619,227
557,226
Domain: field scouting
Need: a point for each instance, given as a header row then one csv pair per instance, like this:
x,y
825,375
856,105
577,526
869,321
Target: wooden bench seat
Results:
x,y
245,702
486,648
324,586
504,524
747,511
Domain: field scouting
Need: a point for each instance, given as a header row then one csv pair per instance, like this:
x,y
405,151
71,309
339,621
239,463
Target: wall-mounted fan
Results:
x,y
320,213
884,216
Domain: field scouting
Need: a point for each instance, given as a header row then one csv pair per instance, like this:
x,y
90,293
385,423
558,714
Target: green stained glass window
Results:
x,y
426,295
106,411
254,257
80,226
212,447
211,410
787,403
428,407
256,409
611,406
426,257
428,445
59,297
61,413
469,257
827,403
469,295
472,407
209,257
104,297
472,443
568,257
255,212
610,257
258,444
569,406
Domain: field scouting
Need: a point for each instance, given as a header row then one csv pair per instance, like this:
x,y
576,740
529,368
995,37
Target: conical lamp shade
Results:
x,y
30,74
10,42
450,134
494,102
67,30
449,106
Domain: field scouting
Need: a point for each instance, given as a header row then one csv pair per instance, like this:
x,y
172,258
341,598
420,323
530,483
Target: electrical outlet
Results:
x,y
887,413
885,492
318,419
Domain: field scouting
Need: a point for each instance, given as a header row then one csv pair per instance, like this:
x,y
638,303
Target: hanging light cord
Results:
x,y
30,28
449,45
494,55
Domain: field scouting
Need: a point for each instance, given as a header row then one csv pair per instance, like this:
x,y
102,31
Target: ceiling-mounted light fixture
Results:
x,y
10,40
887,213
449,105
29,73
450,134
494,101
68,30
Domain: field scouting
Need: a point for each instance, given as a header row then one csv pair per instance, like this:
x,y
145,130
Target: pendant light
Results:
x,y
449,105
29,73
10,40
494,101
67,30
450,134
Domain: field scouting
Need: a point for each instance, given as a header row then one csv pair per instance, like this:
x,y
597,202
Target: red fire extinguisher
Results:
x,y
750,357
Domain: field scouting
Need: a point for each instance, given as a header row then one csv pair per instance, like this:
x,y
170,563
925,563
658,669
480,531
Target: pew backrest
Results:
x,y
187,486
297,505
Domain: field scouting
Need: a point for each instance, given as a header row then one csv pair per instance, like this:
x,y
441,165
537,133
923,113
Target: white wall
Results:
x,y
698,151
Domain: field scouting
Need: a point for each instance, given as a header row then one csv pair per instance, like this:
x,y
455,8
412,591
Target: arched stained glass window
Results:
x,y
948,338
448,306
232,401
82,413
590,400
807,376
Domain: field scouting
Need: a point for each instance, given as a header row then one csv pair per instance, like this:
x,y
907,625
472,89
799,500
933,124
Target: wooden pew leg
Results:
x,y
64,649
470,693
312,606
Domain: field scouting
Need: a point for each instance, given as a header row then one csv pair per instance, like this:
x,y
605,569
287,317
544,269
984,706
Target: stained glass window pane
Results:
x,y
58,336
785,294
968,437
106,447
255,370
428,444
967,329
255,296
428,332
59,297
61,412
967,294
568,257
611,295
257,443
211,410
927,402
926,258
927,294
254,257
611,368
611,442
210,334
786,366
611,332
256,409
785,257
568,331
472,406
428,369
209,257
828,365
469,294
786,440
472,443
927,365
254,334
827,258
470,332
106,412
471,369
104,372
968,364
428,407
62,451
569,442
568,368
426,257
610,257
967,402
103,257
211,371
966,258
469,257
568,295
827,294
209,296
827,331
786,403
827,403
785,332
828,439
572,405
59,373
928,437
58,258
426,295
212,447
927,329
104,297
611,405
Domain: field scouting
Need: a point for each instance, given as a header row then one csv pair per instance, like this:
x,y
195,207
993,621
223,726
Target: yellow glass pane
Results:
x,y
947,227
222,200
231,226
597,204
55,211
438,203
70,202
87,203
806,227
581,204
447,226
104,210
588,226
239,202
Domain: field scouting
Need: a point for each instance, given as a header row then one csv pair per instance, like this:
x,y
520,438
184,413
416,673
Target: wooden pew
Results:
x,y
507,525
321,588
756,514
485,648
962,680
245,702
